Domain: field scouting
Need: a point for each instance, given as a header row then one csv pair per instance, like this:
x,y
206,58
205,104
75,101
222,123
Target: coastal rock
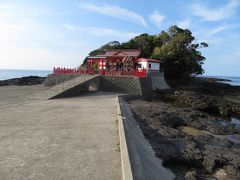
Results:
x,y
190,175
189,128
169,132
198,101
203,151
28,80
215,105
205,95
173,117
207,86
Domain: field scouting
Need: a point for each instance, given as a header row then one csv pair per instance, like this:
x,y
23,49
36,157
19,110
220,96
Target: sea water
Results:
x,y
16,73
234,81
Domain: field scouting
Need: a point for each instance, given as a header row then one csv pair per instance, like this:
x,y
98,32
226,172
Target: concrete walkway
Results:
x,y
72,138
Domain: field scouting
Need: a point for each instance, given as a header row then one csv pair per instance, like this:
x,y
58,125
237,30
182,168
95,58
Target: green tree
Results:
x,y
104,48
144,42
95,66
180,54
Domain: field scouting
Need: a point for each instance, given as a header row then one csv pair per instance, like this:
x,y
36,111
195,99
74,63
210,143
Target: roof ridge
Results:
x,y
123,49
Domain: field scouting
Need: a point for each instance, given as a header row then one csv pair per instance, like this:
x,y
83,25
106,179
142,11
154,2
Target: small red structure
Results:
x,y
116,62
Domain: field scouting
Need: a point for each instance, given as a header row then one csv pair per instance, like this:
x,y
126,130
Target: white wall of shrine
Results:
x,y
149,65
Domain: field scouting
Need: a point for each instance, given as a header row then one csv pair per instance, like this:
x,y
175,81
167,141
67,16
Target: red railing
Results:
x,y
141,72
68,71
137,73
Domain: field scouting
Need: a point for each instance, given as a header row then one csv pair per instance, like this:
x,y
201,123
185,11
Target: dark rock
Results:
x,y
198,101
211,104
201,153
185,128
173,121
190,175
28,80
208,86
169,132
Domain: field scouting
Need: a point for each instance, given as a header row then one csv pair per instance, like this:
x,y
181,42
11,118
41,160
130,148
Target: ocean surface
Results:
x,y
234,81
16,73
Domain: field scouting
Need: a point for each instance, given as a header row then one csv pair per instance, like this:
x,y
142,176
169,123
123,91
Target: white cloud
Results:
x,y
219,36
217,14
116,12
5,14
234,3
17,10
8,5
210,34
70,27
157,18
96,31
216,30
184,23
36,58
26,43
26,46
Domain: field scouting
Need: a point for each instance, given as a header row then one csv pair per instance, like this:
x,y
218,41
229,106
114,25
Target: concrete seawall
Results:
x,y
143,163
125,159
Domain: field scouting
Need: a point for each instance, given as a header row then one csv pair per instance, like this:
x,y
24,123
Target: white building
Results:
x,y
149,64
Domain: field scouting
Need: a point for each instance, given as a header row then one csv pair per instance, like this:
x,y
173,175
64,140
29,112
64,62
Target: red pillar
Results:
x,y
101,71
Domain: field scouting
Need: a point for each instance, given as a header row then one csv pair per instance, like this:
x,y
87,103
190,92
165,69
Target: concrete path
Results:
x,y
15,95
72,138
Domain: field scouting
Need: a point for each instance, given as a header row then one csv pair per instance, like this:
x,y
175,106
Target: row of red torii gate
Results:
x,y
116,62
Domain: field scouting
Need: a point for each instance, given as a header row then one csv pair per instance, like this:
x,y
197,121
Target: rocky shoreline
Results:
x,y
192,128
23,81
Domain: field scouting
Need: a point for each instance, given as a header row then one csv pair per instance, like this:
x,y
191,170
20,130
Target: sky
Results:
x,y
41,34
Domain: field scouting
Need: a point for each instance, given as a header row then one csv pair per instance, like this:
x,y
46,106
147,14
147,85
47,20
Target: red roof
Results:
x,y
148,60
123,52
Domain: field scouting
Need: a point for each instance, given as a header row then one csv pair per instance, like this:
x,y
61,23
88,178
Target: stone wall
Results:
x,y
52,79
130,85
121,84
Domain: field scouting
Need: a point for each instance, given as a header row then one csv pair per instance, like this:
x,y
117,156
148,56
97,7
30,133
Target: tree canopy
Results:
x,y
176,48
